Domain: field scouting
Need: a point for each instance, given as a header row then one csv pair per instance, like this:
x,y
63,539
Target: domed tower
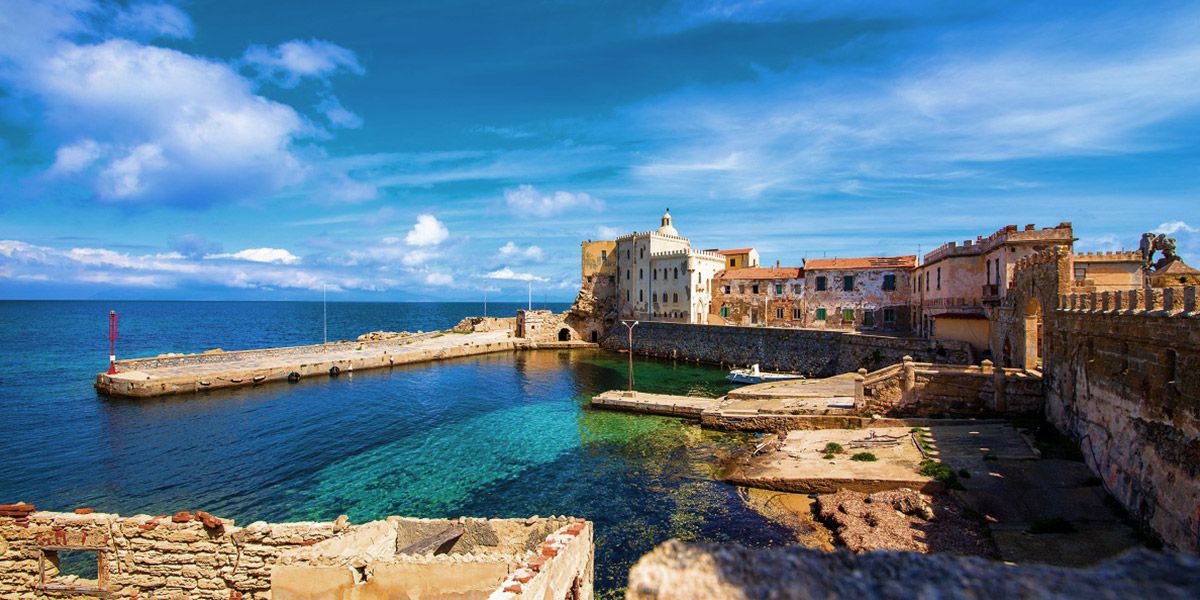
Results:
x,y
667,228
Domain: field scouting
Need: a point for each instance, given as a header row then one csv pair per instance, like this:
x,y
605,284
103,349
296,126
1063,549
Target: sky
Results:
x,y
447,150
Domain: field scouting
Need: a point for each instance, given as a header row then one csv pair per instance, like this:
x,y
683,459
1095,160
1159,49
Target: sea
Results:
x,y
502,435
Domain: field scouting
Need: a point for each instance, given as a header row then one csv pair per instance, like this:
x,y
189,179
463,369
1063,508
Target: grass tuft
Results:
x,y
834,448
864,457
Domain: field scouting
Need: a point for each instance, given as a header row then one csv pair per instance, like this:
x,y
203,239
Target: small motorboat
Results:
x,y
755,375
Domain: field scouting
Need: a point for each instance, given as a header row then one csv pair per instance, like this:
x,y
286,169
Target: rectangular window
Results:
x,y
868,318
641,296
939,276
889,315
820,314
779,289
779,313
754,289
733,262
726,289
725,312
627,295
821,283
927,282
848,283
797,289
654,273
603,255
627,275
795,314
675,297
989,272
654,298
889,282
848,315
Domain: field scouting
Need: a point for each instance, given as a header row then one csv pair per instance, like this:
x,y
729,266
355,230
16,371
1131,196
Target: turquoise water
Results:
x,y
498,435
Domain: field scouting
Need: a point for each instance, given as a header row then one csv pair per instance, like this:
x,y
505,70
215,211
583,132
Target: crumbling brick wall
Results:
x,y
204,557
924,389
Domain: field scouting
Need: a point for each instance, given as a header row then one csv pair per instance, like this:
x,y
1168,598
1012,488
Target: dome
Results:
x,y
667,228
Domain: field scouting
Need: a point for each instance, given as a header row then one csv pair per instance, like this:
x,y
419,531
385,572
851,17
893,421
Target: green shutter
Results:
x,y
820,314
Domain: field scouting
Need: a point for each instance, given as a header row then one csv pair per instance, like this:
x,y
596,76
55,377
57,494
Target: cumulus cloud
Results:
x,y
261,255
508,274
607,233
439,279
526,199
136,122
292,61
428,231
513,252
1173,227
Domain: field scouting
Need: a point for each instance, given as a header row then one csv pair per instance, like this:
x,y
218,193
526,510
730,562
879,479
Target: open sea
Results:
x,y
505,435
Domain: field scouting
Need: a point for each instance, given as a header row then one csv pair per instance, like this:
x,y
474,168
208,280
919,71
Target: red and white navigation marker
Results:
x,y
112,342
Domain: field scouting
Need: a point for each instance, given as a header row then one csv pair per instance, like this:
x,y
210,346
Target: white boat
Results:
x,y
754,375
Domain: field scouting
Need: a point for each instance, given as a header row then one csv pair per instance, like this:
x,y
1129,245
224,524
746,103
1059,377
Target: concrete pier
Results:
x,y
189,373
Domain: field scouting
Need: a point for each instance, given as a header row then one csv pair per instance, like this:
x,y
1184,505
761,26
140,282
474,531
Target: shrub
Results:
x,y
834,448
864,457
940,472
828,457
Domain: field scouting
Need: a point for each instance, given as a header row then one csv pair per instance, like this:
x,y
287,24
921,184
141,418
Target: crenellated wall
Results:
x,y
1122,376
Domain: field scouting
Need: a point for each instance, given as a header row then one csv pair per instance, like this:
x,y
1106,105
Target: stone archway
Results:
x,y
564,335
1033,334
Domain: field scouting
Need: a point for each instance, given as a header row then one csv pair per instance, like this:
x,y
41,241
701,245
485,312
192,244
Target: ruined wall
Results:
x,y
925,389
809,351
210,558
483,324
544,326
1123,378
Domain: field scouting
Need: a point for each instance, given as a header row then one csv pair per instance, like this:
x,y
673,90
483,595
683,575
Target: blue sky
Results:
x,y
429,151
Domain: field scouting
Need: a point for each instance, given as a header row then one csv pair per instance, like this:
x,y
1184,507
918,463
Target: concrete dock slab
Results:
x,y
799,464
182,374
657,404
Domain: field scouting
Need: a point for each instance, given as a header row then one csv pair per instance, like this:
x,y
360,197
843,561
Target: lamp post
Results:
x,y
112,342
630,327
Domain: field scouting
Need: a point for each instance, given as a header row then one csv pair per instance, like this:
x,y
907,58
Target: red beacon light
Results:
x,y
112,342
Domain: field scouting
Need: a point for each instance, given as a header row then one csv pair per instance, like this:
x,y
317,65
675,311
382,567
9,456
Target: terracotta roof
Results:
x,y
735,251
762,273
866,262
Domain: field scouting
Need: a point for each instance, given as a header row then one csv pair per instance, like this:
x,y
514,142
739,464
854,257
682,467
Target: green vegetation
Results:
x,y
834,448
828,457
940,472
864,457
1055,525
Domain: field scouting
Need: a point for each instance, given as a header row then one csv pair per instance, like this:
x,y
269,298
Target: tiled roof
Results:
x,y
735,251
867,262
762,273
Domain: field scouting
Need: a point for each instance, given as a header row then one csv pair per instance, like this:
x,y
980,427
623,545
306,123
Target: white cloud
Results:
x,y
292,61
338,115
1173,227
439,279
261,255
75,157
508,274
607,233
511,252
154,18
428,231
526,199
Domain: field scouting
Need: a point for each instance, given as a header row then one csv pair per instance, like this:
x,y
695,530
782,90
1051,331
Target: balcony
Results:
x,y
991,292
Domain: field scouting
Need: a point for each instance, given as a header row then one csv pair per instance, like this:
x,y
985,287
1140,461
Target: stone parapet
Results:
x,y
910,389
1172,302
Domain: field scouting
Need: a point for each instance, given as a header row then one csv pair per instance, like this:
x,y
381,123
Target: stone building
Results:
x,y
958,285
1109,270
859,293
661,277
759,296
739,258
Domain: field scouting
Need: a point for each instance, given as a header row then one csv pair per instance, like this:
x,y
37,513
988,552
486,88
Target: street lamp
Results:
x,y
630,327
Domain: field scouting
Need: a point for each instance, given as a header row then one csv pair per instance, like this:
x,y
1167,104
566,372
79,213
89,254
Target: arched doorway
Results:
x,y
1033,334
564,335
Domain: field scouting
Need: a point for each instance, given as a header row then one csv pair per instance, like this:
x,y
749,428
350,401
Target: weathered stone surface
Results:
x,y
676,570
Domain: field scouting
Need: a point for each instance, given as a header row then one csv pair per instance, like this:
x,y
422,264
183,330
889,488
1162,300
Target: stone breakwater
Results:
x,y
201,556
190,373
816,353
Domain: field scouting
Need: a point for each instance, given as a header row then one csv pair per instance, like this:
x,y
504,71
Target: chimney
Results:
x,y
777,263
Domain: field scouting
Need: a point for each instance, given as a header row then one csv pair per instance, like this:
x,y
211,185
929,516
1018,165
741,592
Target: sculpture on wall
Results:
x,y
1158,243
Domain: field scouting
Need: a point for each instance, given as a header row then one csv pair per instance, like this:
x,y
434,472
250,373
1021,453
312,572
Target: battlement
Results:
x,y
637,234
1008,234
1109,256
1173,302
1040,258
702,254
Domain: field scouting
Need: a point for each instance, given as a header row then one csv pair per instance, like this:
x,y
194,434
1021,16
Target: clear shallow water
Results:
x,y
498,435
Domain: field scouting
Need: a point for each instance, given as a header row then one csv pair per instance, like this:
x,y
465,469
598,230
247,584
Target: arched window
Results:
x,y
675,297
676,272
641,275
